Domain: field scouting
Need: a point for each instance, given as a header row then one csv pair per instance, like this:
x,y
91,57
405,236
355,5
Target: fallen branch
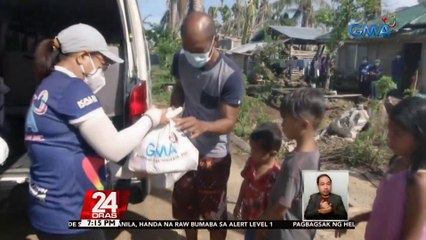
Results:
x,y
329,157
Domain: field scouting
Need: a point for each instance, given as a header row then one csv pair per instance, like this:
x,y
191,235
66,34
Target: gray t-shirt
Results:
x,y
288,191
205,90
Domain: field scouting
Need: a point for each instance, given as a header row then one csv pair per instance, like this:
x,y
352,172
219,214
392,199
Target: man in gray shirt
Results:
x,y
210,87
302,112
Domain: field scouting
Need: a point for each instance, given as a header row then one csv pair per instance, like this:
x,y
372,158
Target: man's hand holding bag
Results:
x,y
165,149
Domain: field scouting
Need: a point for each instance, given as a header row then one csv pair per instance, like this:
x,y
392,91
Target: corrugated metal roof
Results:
x,y
407,15
247,48
326,37
413,33
421,20
299,32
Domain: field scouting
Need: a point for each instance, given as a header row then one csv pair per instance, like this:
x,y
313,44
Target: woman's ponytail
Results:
x,y
46,56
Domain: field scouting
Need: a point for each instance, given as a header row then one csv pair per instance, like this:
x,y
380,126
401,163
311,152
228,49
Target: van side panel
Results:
x,y
111,96
139,45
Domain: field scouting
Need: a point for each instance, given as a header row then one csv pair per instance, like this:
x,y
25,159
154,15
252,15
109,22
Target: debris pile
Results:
x,y
350,123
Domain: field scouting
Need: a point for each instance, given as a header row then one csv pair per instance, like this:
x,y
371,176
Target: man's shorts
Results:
x,y
203,192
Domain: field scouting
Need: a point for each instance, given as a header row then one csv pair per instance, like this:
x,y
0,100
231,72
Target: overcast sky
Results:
x,y
155,8
392,5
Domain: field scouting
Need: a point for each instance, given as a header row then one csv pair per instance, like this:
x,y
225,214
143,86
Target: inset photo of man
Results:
x,y
326,195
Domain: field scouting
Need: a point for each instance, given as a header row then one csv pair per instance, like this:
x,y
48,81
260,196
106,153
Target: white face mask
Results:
x,y
95,79
198,60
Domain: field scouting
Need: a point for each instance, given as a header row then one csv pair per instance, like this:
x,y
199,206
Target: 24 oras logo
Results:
x,y
384,29
106,204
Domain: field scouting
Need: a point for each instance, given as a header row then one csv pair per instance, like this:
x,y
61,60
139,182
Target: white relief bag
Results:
x,y
164,150
4,151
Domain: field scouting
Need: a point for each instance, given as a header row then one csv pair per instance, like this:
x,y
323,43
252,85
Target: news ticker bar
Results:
x,y
103,223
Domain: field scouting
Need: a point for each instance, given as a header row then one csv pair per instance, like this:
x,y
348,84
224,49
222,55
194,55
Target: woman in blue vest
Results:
x,y
68,135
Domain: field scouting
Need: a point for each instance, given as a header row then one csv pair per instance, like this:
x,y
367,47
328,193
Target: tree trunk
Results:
x,y
195,6
251,10
307,17
183,7
378,8
174,20
239,19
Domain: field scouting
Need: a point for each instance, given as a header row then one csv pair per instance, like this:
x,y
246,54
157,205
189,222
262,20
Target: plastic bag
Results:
x,y
166,180
350,123
164,150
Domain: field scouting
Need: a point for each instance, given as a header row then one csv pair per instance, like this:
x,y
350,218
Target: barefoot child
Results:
x,y
259,174
302,112
399,210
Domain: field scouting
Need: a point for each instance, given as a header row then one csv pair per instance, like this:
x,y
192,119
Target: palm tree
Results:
x,y
280,16
172,17
264,13
305,8
195,6
372,8
177,10
239,13
251,10
227,21
175,14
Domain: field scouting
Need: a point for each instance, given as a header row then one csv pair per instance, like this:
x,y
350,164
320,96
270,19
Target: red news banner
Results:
x,y
107,209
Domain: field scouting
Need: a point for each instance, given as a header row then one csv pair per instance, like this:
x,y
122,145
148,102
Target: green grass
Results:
x,y
159,78
370,147
251,114
384,86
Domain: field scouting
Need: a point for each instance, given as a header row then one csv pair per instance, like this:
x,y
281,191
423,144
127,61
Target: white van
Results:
x,y
125,97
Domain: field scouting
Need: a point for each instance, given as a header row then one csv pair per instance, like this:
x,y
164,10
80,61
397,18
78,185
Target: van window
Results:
x,y
25,23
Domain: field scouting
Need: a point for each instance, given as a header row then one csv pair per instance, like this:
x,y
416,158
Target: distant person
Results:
x,y
398,67
292,64
4,89
324,69
311,77
374,74
260,173
399,209
325,205
302,112
362,66
362,77
317,66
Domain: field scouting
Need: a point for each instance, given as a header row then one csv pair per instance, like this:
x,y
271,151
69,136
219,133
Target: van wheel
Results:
x,y
17,201
139,188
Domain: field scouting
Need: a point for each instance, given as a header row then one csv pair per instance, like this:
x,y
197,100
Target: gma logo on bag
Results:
x,y
162,150
153,150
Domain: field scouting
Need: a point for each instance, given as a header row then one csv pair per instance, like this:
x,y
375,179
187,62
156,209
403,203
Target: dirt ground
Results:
x,y
157,205
362,185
